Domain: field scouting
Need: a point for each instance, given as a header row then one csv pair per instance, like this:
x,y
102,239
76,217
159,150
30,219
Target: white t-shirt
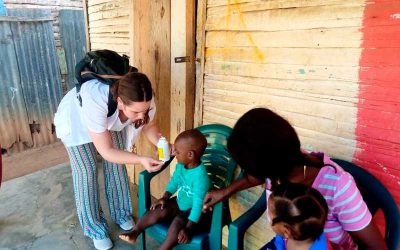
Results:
x,y
73,121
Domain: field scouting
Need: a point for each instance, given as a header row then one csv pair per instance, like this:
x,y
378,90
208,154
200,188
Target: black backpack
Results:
x,y
107,66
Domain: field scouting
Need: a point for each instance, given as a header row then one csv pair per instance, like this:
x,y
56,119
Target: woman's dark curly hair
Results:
x,y
265,145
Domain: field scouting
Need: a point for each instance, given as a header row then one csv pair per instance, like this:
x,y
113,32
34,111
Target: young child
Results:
x,y
190,181
298,214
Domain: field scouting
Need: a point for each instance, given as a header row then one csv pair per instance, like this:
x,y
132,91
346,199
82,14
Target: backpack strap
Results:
x,y
86,72
112,104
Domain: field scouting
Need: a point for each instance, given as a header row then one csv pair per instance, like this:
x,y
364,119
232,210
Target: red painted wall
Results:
x,y
378,118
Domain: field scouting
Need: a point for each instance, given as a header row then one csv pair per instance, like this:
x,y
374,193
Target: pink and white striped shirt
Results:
x,y
347,210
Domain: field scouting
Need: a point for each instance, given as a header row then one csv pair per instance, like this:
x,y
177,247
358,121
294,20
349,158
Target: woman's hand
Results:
x,y
150,164
213,197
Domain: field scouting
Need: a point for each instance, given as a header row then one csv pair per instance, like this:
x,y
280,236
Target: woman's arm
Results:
x,y
215,196
152,132
369,238
103,143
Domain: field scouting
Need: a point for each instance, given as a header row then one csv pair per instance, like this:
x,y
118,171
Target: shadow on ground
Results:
x,y
37,211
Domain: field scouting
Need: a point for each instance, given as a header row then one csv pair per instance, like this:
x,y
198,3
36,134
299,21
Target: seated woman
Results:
x,y
267,148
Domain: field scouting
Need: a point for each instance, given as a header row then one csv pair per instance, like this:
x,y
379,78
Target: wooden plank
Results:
x,y
110,5
278,71
213,3
108,29
130,34
294,56
315,38
137,10
111,40
347,95
110,14
284,103
200,61
278,19
122,48
340,128
111,34
152,56
97,2
277,4
323,87
331,145
311,139
86,18
119,21
183,38
285,3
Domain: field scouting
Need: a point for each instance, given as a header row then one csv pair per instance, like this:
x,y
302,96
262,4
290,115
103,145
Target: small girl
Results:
x,y
297,214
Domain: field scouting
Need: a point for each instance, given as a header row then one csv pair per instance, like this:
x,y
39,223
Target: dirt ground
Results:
x,y
37,211
30,161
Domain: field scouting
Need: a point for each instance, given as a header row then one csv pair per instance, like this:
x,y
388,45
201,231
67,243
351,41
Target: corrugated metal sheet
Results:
x,y
39,82
73,40
14,124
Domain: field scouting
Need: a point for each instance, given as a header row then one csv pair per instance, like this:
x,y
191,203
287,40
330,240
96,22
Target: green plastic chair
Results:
x,y
220,167
374,194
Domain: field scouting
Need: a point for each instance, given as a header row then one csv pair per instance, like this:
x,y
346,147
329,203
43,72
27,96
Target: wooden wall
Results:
x,y
302,59
313,61
109,25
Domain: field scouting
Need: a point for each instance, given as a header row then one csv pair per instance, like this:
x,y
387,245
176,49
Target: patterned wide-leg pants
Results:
x,y
84,175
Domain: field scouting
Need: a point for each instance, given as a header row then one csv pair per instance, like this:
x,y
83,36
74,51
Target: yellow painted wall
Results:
x,y
297,57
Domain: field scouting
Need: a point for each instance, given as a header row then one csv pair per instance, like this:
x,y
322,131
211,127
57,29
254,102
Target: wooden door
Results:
x,y
182,65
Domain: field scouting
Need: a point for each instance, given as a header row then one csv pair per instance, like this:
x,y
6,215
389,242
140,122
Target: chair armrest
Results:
x,y
215,236
144,187
238,228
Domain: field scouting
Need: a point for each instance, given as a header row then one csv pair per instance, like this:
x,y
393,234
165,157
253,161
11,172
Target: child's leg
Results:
x,y
117,188
170,210
177,224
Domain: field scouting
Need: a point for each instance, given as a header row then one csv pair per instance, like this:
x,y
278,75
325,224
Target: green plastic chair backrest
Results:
x,y
219,163
376,196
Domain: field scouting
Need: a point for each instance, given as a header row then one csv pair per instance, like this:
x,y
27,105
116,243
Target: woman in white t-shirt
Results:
x,y
85,129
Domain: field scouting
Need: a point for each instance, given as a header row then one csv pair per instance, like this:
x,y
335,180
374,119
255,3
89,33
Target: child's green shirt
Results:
x,y
191,186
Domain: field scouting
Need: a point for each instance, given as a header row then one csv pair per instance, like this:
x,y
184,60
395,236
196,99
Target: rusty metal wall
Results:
x,y
73,40
32,90
14,124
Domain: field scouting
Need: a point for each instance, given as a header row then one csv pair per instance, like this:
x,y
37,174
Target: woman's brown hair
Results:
x,y
133,87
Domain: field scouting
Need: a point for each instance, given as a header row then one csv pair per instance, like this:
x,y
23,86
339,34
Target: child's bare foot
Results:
x,y
129,237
